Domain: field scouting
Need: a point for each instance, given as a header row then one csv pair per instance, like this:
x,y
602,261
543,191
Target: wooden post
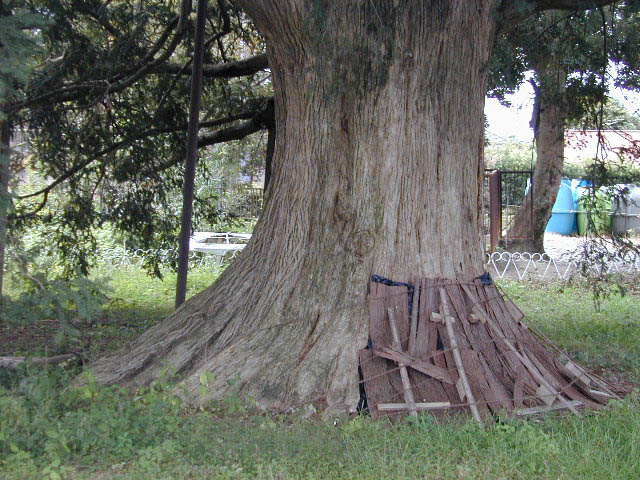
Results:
x,y
448,320
192,151
404,375
495,210
413,328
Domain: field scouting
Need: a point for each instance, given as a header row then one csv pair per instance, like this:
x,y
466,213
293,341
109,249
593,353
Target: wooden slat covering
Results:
x,y
478,335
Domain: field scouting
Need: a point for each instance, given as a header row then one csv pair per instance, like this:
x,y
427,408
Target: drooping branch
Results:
x,y
119,82
257,120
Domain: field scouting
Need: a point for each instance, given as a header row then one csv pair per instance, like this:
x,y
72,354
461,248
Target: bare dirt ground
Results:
x,y
556,245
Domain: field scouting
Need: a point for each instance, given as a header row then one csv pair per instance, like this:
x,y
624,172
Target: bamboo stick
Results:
x,y
408,393
448,320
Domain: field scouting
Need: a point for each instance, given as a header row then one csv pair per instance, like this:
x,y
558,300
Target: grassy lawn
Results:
x,y
48,430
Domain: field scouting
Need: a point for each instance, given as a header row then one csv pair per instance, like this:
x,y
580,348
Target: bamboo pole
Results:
x,y
448,320
404,375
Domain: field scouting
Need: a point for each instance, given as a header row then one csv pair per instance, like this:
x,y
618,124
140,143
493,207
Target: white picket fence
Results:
x,y
525,265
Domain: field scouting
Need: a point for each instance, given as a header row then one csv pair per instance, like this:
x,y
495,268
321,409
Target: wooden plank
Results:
x,y
554,376
546,395
602,394
498,377
415,363
574,374
456,354
382,297
518,393
513,309
413,324
419,406
557,406
382,375
525,361
425,387
377,385
408,393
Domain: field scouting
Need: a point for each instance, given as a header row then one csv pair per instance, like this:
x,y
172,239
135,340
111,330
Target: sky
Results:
x,y
505,122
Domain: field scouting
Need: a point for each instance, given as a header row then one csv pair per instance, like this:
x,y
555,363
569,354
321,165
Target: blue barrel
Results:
x,y
563,215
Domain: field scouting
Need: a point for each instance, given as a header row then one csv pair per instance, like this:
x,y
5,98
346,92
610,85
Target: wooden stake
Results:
x,y
457,357
413,329
408,393
421,366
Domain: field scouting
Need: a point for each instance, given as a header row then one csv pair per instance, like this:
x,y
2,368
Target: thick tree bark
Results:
x,y
379,119
549,117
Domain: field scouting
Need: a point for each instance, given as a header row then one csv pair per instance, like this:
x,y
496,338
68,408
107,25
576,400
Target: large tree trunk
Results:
x,y
526,232
380,127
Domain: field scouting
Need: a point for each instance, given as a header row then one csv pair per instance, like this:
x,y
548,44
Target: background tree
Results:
x,y
569,56
614,117
380,131
18,45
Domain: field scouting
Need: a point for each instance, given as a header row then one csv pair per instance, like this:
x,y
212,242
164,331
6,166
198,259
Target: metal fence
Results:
x,y
503,265
119,257
504,193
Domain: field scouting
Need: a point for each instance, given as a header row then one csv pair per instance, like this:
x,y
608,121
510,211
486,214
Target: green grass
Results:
x,y
139,301
94,432
48,430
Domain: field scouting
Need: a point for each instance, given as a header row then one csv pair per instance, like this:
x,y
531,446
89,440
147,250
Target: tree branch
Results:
x,y
220,70
262,120
124,143
511,13
71,91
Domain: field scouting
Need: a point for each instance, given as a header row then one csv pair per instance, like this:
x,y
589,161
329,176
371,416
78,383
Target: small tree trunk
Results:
x,y
375,171
526,232
5,138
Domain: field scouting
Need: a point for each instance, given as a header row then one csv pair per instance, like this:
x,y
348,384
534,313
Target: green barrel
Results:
x,y
598,210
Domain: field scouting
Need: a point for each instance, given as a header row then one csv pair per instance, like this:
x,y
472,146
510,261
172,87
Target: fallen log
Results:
x,y
13,363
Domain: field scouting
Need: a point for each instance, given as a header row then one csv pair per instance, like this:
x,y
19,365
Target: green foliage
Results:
x,y
509,154
615,117
112,141
18,46
72,302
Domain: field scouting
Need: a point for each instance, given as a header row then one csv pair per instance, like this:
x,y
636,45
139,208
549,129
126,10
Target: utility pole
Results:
x,y
192,151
